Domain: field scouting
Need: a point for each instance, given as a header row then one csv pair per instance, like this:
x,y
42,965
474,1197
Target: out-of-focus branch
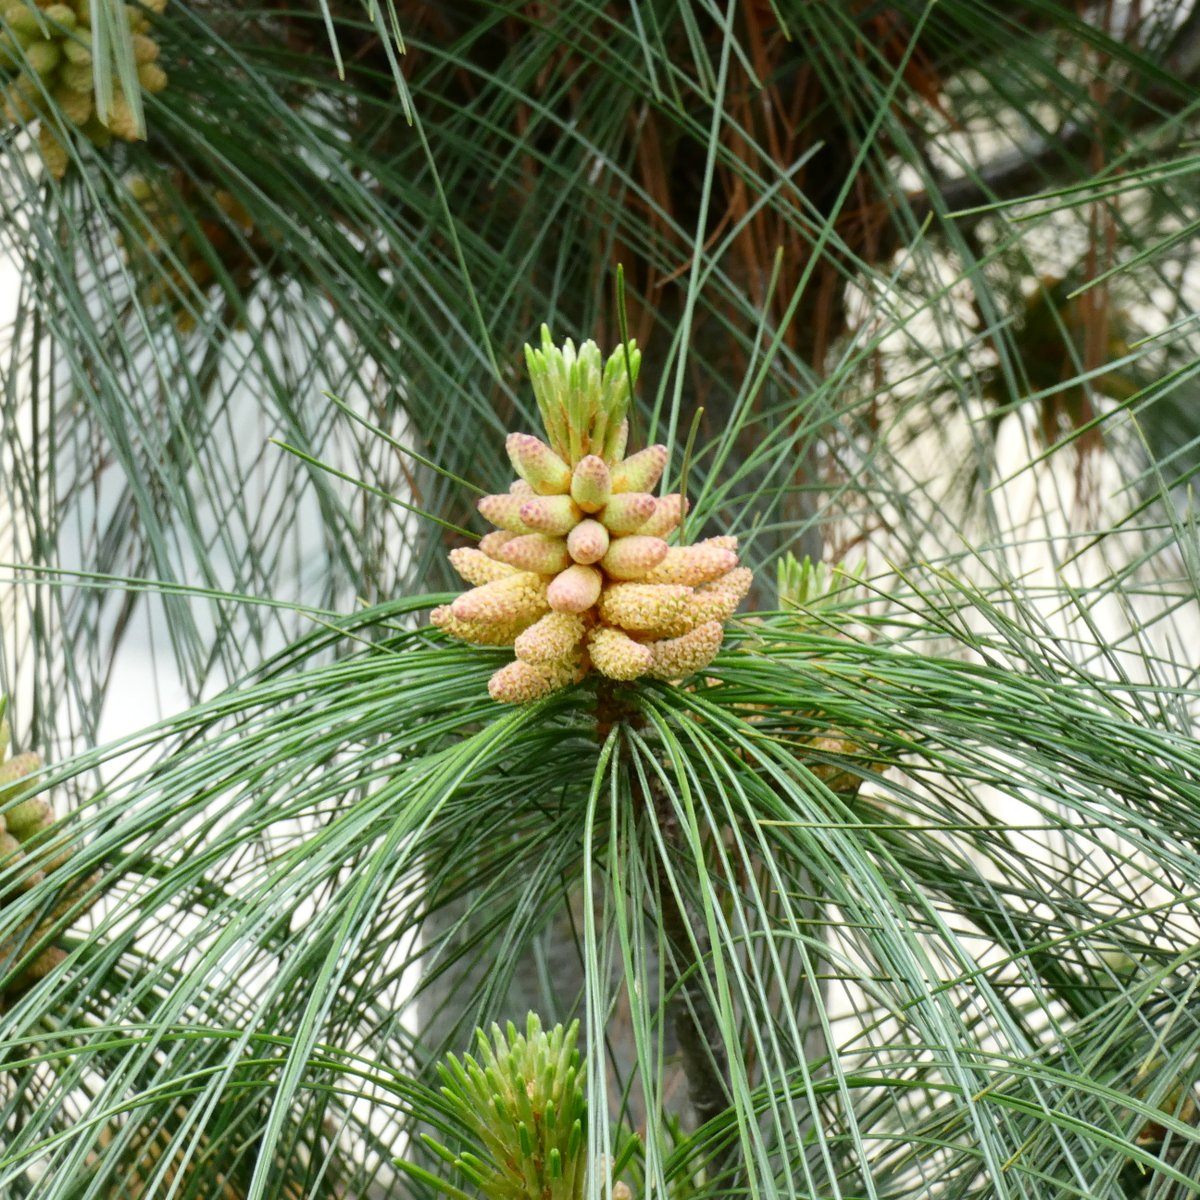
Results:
x,y
1038,163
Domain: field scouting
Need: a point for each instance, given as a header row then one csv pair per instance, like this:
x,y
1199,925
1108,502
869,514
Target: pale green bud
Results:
x,y
13,775
25,819
24,20
152,78
77,107
62,15
77,75
145,49
78,48
43,57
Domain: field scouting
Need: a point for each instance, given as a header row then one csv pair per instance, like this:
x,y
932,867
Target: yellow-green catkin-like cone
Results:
x,y
579,574
47,75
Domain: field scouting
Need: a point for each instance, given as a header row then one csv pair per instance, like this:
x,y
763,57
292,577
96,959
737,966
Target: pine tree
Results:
x,y
881,884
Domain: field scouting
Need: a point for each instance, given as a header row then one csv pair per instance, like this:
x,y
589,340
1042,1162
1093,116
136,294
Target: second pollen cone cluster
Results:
x,y
46,55
580,574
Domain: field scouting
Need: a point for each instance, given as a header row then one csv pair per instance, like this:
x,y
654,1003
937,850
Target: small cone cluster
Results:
x,y
173,260
580,574
27,830
46,51
524,1102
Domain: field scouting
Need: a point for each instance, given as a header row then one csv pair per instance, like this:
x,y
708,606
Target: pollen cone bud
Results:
x,y
556,515
658,610
615,443
538,465
152,77
478,633
574,590
519,487
23,20
668,512
54,153
628,512
145,49
512,598
491,543
641,471
717,601
591,483
476,567
14,770
550,639
632,557
677,657
504,512
617,655
43,57
41,966
692,565
588,542
520,682
25,819
537,552
75,106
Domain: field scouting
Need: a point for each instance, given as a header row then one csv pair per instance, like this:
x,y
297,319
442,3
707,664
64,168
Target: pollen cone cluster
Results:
x,y
190,231
580,574
28,837
46,56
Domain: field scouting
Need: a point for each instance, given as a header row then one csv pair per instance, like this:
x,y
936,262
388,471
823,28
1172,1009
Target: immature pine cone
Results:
x,y
580,574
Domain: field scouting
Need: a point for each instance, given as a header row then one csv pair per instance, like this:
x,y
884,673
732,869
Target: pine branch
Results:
x,y
1037,163
697,1027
